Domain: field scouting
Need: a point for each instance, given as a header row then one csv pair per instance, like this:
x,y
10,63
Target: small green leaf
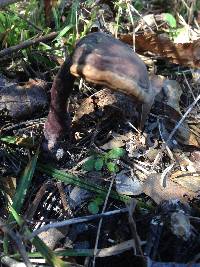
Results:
x,y
99,201
169,18
98,164
89,165
115,153
93,207
112,167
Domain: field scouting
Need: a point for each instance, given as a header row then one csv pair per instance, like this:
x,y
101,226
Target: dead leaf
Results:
x,y
186,54
117,141
189,180
153,188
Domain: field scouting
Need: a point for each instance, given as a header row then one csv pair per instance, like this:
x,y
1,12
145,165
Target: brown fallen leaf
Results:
x,y
154,189
117,140
186,54
189,180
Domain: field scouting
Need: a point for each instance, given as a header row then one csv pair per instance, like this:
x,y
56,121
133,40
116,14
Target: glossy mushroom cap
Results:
x,y
101,59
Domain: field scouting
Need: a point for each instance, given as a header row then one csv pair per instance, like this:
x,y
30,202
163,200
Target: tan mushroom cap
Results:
x,y
101,59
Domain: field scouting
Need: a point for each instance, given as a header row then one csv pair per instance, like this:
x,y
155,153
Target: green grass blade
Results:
x,y
63,32
20,194
24,183
20,141
72,179
41,247
76,181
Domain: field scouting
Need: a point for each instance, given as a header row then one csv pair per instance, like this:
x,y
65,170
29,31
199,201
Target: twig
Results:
x,y
163,147
135,10
68,212
100,222
165,174
166,145
182,119
101,252
40,193
26,44
185,4
74,221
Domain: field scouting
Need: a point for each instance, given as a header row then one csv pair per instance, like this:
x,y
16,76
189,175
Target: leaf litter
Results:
x,y
159,169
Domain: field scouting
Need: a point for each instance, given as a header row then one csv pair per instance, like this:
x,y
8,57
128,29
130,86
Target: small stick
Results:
x,y
27,43
68,212
74,221
186,80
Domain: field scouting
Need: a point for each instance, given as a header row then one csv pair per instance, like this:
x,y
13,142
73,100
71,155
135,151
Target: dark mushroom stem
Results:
x,y
58,121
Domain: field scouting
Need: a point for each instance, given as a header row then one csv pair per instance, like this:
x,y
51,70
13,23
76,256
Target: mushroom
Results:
x,y
101,59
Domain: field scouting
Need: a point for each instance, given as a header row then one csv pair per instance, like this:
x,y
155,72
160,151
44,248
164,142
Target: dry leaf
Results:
x,y
186,54
189,180
153,188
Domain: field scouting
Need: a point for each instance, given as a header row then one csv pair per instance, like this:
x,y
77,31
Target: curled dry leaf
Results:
x,y
186,54
19,102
